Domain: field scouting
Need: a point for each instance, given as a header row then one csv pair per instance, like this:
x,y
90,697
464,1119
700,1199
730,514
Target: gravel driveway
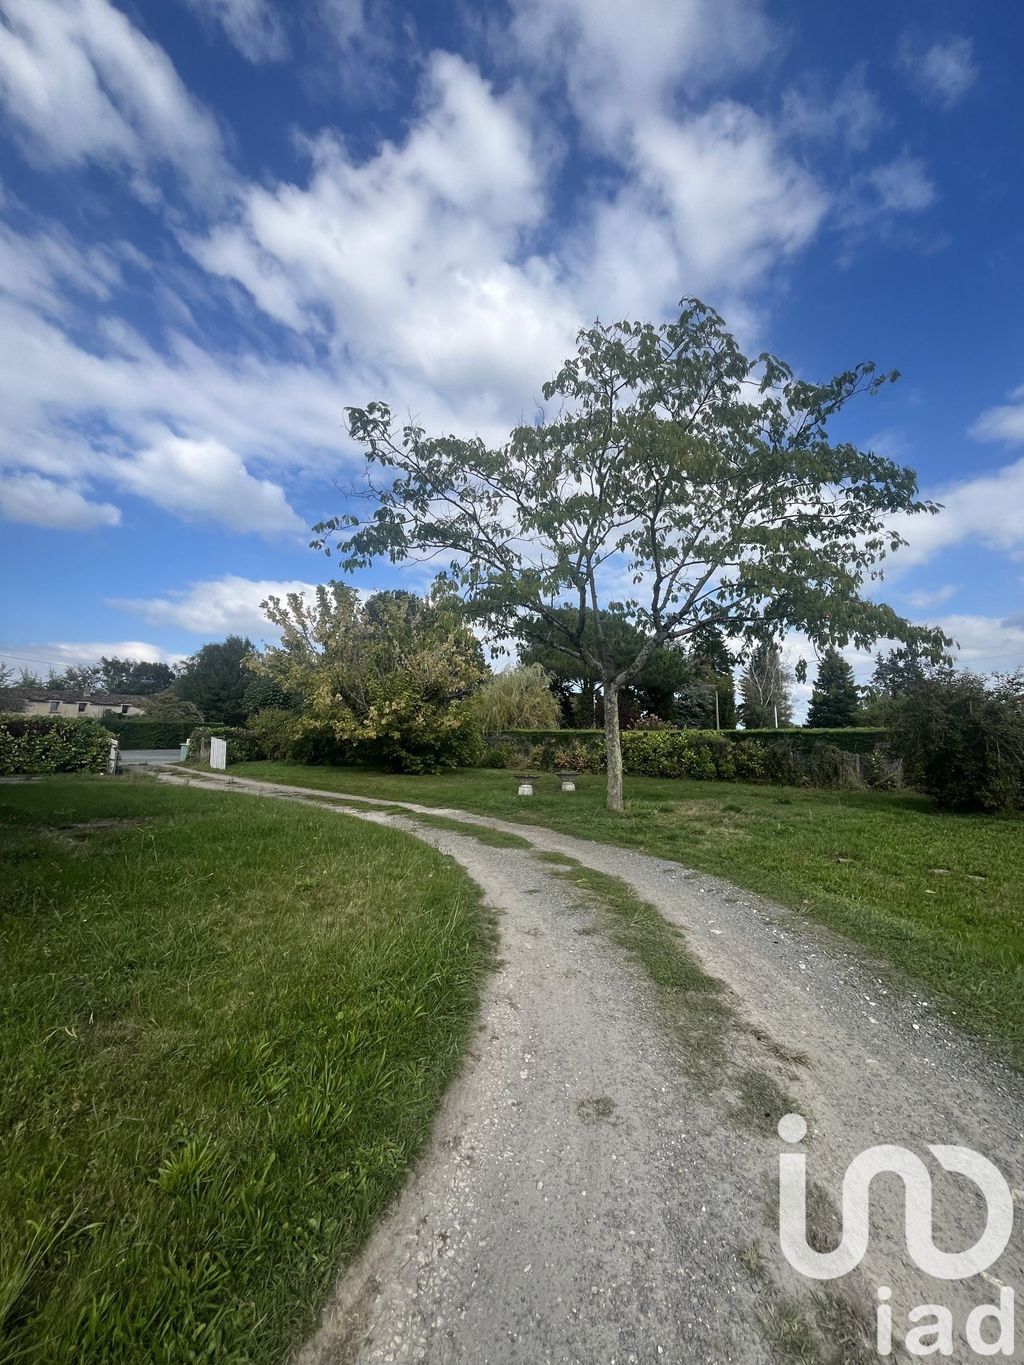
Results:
x,y
589,1196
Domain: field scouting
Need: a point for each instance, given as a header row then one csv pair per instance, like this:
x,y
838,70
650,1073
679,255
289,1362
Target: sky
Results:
x,y
222,221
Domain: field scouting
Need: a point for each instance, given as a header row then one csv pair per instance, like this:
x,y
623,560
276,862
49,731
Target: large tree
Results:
x,y
766,701
136,677
214,679
835,700
386,680
677,483
707,699
652,688
81,679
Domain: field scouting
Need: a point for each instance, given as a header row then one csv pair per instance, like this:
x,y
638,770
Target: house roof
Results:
x,y
13,695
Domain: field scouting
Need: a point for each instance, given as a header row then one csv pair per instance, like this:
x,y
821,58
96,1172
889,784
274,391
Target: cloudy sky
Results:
x,y
221,221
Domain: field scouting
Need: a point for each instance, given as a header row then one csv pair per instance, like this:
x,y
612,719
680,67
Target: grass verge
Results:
x,y
694,1006
225,1027
940,896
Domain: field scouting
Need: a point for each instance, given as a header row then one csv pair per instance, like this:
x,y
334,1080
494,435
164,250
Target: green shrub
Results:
x,y
750,761
402,734
800,758
724,755
52,744
275,729
961,739
499,756
136,732
264,694
316,741
244,746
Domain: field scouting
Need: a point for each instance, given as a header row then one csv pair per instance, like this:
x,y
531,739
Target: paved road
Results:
x,y
134,758
586,1199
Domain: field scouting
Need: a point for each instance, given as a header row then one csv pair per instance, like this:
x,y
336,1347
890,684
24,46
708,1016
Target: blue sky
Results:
x,y
221,221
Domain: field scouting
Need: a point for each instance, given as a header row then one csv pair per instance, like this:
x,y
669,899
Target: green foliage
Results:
x,y
835,701
215,678
385,681
74,679
708,475
519,698
134,677
52,744
265,693
651,688
244,745
140,732
862,740
694,754
897,672
276,730
961,739
168,705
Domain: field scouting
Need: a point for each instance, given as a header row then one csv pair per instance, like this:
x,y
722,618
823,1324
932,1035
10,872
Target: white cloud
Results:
x,y
43,267
620,65
59,654
216,607
81,83
416,257
903,185
427,272
42,502
204,479
987,510
850,115
987,644
253,26
1004,422
941,72
51,388
343,19
736,202
924,598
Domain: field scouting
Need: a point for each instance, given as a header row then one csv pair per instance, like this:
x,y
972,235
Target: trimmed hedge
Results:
x,y
861,740
244,746
728,755
52,744
135,732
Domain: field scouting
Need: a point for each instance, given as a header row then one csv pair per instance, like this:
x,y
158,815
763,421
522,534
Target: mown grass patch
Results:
x,y
940,896
225,1026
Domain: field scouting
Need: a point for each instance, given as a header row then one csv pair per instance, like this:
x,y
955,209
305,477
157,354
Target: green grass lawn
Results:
x,y
940,896
225,1027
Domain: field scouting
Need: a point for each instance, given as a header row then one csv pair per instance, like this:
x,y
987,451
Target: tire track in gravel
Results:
x,y
591,1196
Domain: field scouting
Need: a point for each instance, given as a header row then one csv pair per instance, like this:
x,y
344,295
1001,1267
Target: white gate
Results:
x,y
218,753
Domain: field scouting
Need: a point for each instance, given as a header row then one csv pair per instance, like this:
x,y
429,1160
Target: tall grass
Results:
x,y
225,1027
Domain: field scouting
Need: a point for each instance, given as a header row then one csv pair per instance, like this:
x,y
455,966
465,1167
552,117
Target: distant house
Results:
x,y
37,701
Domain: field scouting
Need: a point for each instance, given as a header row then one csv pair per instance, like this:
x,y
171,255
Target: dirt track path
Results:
x,y
590,1196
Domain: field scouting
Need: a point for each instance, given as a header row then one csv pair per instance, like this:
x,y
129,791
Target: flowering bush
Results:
x,y
52,744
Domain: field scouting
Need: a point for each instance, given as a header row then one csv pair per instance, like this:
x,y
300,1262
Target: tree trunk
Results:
x,y
613,746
